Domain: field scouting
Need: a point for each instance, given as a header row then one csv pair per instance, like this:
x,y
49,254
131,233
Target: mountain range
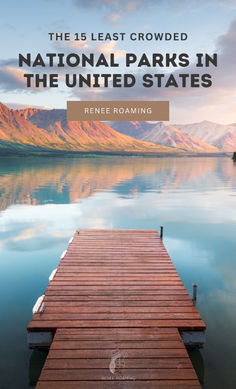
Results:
x,y
40,130
199,137
48,130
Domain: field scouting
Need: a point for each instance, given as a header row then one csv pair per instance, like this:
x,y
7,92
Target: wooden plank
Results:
x,y
124,374
130,363
89,297
121,331
131,301
121,344
154,384
97,309
116,316
107,282
115,292
51,325
106,336
129,353
117,288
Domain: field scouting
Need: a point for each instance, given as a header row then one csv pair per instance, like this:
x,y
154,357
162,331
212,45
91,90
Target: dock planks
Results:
x,y
116,305
118,358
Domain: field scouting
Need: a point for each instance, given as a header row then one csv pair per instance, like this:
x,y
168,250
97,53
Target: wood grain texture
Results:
x,y
117,358
116,305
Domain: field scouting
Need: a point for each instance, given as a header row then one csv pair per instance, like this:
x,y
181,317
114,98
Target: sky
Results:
x,y
209,24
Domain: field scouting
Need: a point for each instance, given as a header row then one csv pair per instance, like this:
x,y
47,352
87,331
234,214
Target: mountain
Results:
x,y
15,128
134,129
227,142
34,129
170,136
222,136
164,134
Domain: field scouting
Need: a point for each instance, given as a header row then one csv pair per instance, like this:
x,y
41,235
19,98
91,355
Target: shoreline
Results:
x,y
98,154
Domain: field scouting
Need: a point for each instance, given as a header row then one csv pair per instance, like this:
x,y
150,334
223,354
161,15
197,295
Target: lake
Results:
x,y
43,201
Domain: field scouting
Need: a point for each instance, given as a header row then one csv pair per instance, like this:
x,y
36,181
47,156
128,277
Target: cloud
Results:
x,y
213,101
113,17
9,62
78,45
227,58
115,9
25,235
11,78
23,106
108,48
87,47
130,6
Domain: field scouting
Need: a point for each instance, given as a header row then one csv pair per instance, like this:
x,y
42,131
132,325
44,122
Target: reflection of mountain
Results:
x,y
164,134
42,181
64,181
38,130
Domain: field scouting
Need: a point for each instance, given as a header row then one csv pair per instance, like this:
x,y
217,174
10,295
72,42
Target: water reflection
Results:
x,y
36,362
62,181
198,364
44,200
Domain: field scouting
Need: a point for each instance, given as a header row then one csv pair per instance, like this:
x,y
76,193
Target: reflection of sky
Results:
x,y
195,201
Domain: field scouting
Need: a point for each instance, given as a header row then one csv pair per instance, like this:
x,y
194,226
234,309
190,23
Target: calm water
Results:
x,y
44,200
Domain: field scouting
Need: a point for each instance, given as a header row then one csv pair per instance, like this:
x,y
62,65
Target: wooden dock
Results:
x,y
116,315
